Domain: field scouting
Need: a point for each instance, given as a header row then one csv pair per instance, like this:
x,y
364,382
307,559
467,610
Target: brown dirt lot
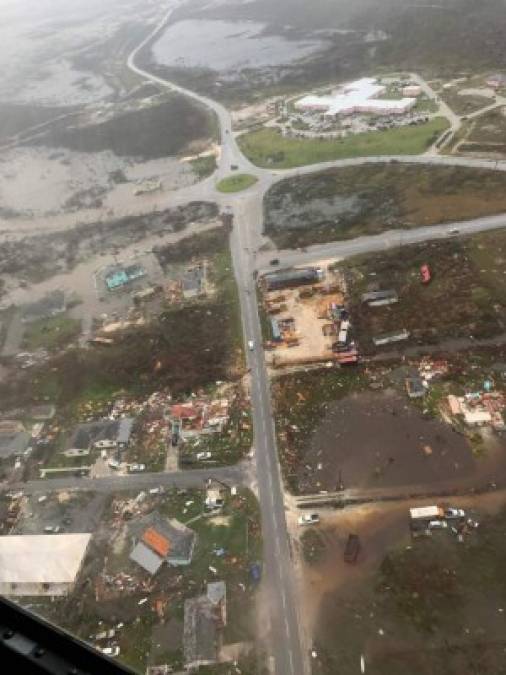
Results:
x,y
308,327
377,440
360,422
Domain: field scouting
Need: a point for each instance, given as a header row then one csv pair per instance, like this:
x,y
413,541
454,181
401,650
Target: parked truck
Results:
x,y
426,513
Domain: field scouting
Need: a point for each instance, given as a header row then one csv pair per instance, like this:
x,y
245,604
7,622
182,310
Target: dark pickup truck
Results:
x,y
352,548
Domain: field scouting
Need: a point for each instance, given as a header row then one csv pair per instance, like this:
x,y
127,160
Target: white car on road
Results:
x,y
251,345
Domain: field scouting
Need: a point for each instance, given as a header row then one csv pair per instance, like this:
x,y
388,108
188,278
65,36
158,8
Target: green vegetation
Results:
x,y
268,148
236,182
53,334
229,542
189,347
313,545
369,199
469,271
204,166
426,105
150,132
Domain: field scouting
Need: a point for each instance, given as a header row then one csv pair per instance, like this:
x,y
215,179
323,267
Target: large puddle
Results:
x,y
227,45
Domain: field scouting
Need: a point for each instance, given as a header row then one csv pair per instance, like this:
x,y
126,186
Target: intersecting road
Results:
x,y
287,650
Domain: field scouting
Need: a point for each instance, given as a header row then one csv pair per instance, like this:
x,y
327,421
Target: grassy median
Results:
x,y
240,181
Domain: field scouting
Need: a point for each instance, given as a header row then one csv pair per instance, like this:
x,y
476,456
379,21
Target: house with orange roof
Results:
x,y
158,540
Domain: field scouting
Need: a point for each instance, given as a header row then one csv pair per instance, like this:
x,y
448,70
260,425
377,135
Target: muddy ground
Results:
x,y
358,428
429,605
98,158
38,257
378,440
355,201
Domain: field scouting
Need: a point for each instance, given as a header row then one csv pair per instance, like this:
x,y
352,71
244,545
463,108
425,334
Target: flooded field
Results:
x,y
41,42
227,46
424,602
42,181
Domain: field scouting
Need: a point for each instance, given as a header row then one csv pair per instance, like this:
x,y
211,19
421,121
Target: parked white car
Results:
x,y
136,468
203,455
452,512
309,519
438,525
111,651
113,463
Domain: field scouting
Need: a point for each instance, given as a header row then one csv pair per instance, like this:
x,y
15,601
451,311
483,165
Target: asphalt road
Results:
x,y
379,242
287,650
233,475
286,653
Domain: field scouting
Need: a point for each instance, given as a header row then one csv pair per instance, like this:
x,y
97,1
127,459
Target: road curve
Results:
x,y
230,153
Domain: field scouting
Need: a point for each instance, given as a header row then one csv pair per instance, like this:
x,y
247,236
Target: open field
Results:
x,y
430,605
358,428
52,334
464,104
355,201
269,149
484,135
236,183
466,295
151,132
110,587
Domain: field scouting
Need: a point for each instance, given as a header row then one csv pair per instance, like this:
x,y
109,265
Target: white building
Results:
x,y
359,96
46,564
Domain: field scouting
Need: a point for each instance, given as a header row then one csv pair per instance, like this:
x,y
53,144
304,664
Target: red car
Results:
x,y
425,274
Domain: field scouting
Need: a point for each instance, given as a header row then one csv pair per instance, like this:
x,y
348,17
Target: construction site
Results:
x,y
305,317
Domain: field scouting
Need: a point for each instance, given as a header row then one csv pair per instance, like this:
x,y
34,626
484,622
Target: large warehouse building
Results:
x,y
359,96
46,564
